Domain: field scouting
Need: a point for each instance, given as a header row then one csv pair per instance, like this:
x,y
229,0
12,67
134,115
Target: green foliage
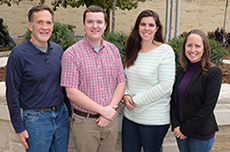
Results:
x,y
122,4
119,40
62,34
9,2
27,34
105,4
176,44
217,51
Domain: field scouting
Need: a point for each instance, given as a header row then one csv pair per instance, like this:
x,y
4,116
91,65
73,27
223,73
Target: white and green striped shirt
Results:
x,y
150,80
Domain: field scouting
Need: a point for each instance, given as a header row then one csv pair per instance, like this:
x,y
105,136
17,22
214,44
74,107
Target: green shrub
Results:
x,y
119,40
62,34
217,52
176,44
27,34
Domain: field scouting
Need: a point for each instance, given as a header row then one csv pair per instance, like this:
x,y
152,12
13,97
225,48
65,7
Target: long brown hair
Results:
x,y
134,40
205,59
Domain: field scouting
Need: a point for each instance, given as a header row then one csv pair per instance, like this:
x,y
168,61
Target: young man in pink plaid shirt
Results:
x,y
93,76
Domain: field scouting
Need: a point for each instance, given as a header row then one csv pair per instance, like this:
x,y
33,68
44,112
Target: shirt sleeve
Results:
x,y
70,69
120,68
13,81
166,77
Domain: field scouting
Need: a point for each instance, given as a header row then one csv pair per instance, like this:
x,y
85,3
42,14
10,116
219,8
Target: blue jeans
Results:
x,y
135,136
195,145
48,130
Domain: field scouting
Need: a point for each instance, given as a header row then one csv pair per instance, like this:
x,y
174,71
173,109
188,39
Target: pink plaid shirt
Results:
x,y
94,74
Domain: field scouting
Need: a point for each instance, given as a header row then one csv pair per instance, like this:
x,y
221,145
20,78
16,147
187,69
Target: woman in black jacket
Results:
x,y
195,94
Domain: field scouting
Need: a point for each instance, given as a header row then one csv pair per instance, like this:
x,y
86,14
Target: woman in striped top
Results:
x,y
150,71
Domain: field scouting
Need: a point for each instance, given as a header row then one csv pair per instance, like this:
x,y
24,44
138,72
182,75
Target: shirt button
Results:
x,y
100,77
99,66
101,88
102,99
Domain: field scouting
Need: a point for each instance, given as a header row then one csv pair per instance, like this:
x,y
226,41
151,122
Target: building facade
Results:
x,y
206,15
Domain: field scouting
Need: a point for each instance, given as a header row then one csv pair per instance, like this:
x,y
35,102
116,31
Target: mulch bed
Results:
x,y
2,73
225,68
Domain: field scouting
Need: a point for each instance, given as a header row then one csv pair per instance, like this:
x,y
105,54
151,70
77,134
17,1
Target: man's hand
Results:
x,y
102,122
22,137
109,112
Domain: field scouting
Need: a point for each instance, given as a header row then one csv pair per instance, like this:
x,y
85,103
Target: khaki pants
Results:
x,y
89,137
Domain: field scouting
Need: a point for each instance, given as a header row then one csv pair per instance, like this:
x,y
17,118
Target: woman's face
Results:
x,y
194,48
147,28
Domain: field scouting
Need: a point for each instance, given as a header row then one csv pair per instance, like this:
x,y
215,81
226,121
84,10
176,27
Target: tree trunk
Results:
x,y
108,22
113,15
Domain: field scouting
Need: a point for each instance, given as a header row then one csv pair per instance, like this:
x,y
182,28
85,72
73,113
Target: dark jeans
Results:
x,y
135,136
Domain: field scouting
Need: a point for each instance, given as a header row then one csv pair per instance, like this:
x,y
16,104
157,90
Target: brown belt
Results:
x,y
47,109
84,114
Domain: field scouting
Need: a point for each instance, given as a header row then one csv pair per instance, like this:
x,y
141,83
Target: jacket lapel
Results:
x,y
191,82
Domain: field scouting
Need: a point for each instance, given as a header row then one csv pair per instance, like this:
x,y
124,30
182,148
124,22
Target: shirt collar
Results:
x,y
37,51
92,47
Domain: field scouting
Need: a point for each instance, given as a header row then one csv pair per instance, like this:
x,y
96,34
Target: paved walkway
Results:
x,y
3,61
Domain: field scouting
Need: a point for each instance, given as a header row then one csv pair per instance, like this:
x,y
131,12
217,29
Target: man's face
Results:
x,y
41,28
94,26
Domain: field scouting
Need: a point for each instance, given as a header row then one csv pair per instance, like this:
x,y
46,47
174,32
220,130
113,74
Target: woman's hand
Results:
x,y
129,102
178,133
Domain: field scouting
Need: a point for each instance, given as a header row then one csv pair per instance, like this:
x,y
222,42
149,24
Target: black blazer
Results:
x,y
200,99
